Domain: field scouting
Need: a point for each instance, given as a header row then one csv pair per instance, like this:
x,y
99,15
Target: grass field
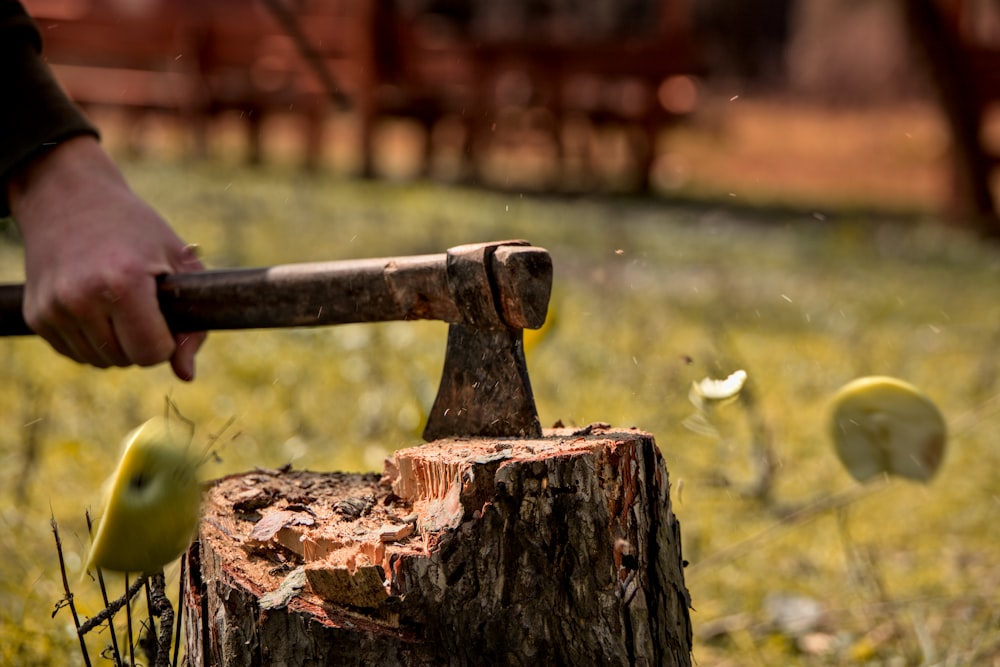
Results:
x,y
649,297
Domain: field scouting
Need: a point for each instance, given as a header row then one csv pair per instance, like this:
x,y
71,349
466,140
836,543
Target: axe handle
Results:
x,y
293,295
322,293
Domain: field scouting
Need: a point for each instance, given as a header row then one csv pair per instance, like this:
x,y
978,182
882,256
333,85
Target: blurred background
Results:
x,y
886,103
801,189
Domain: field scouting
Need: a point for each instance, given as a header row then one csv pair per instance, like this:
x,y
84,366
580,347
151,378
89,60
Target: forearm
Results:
x,y
35,114
75,171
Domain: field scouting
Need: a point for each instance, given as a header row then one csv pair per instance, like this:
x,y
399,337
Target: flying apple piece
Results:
x,y
882,425
709,390
152,501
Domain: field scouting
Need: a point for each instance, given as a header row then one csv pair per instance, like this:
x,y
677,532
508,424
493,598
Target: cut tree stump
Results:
x,y
561,550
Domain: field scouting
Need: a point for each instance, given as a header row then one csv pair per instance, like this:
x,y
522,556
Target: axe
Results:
x,y
487,292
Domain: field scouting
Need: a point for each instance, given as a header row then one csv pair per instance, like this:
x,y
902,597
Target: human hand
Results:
x,y
93,250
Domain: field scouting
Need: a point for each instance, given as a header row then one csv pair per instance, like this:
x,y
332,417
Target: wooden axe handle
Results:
x,y
322,293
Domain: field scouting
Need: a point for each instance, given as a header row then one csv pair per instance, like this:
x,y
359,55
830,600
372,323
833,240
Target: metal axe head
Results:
x,y
500,289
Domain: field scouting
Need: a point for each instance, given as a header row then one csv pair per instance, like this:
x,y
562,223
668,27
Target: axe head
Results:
x,y
500,289
484,387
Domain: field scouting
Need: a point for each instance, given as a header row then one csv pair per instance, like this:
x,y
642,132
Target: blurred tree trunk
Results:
x,y
953,79
560,550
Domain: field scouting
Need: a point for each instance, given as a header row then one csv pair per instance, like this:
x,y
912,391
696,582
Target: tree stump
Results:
x,y
557,550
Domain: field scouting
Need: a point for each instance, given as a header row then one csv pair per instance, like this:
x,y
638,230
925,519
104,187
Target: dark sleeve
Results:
x,y
34,111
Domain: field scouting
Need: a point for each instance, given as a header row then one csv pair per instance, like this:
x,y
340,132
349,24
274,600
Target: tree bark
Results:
x,y
557,550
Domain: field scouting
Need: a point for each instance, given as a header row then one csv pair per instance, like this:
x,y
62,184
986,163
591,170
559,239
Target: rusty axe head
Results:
x,y
500,289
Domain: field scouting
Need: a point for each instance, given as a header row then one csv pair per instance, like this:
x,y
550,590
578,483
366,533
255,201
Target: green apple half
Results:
x,y
152,502
882,425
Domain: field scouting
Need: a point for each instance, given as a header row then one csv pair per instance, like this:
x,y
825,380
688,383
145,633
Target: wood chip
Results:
x,y
395,533
265,529
364,587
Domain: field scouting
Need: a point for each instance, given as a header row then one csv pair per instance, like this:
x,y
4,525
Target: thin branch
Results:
x,y
148,642
112,609
104,596
314,58
129,593
161,607
69,593
180,602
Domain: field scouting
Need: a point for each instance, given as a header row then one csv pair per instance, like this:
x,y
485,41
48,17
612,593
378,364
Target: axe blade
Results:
x,y
484,388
